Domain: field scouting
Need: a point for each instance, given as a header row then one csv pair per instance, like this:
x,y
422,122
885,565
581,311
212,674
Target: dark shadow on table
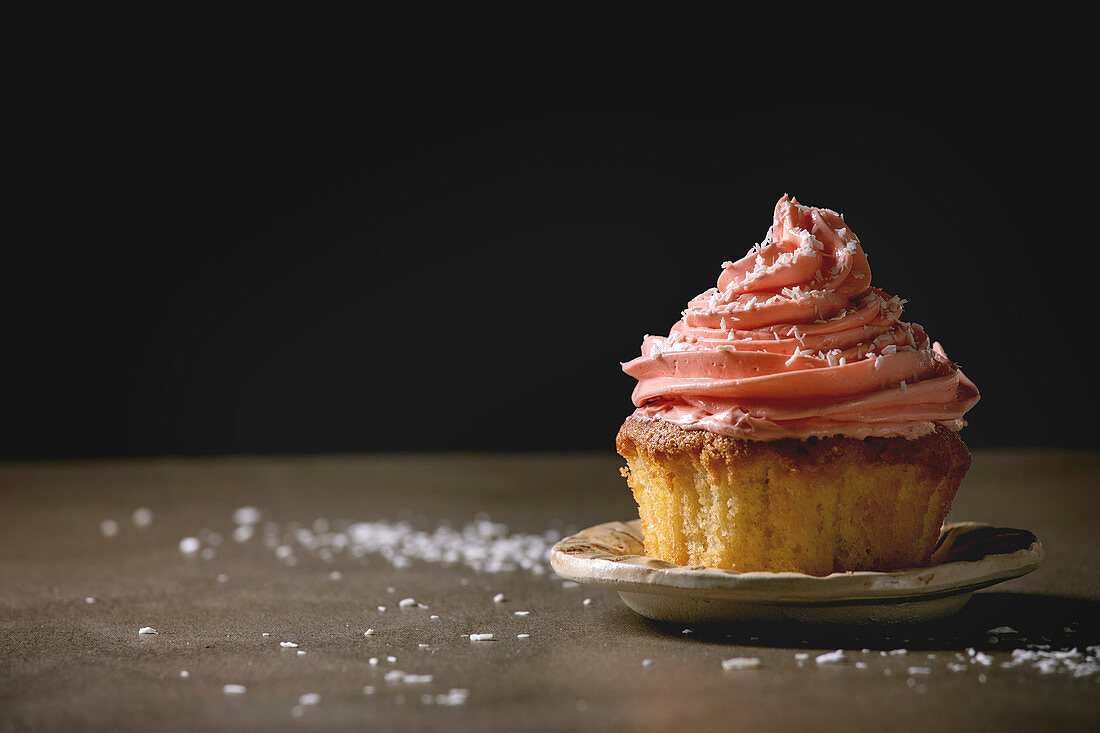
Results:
x,y
983,624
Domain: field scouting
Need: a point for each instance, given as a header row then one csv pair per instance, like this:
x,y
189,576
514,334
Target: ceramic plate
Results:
x,y
969,556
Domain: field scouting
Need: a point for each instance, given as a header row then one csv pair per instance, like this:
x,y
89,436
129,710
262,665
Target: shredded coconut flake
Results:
x,y
981,658
739,663
456,696
1002,630
397,676
836,657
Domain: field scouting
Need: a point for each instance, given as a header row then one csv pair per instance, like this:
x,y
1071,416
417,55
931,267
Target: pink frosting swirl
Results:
x,y
795,343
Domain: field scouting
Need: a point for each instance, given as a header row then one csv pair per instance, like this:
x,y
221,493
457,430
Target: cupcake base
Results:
x,y
810,506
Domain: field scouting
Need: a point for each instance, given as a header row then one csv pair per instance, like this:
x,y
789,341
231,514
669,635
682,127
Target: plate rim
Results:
x,y
634,573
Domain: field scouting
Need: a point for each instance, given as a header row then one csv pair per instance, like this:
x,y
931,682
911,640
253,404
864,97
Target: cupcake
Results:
x,y
791,420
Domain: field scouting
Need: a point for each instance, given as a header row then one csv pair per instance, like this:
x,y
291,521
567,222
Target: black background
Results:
x,y
272,252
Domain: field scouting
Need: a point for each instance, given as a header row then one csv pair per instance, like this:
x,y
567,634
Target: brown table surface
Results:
x,y
67,663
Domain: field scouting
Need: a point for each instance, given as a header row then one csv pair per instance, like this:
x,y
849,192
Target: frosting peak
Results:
x,y
795,342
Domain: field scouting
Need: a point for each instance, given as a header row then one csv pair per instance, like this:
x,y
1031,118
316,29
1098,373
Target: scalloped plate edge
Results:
x,y
601,556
